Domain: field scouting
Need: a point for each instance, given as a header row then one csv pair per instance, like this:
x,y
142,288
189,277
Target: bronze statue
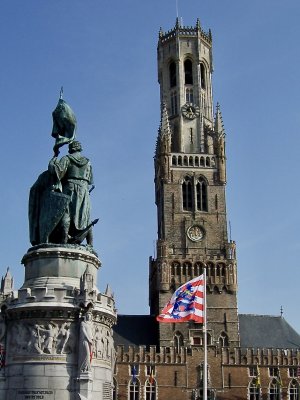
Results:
x,y
59,201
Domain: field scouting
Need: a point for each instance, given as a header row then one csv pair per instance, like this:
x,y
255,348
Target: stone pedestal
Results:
x,y
58,339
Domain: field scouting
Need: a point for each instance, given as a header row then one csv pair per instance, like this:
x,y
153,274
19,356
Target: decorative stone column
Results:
x,y
58,331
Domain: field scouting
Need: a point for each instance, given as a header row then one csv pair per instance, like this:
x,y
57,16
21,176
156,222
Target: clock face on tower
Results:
x,y
195,233
190,111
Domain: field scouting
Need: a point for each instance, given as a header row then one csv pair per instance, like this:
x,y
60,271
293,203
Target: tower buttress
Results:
x,y
190,179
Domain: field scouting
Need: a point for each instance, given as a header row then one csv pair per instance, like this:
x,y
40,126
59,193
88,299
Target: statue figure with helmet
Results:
x,y
59,201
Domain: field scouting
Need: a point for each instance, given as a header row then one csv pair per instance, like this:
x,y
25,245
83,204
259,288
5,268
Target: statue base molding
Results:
x,y
59,343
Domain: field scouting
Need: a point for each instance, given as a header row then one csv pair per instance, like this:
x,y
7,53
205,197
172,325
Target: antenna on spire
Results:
x,y
61,93
177,9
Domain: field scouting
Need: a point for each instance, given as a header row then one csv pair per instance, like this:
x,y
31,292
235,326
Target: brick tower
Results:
x,y
190,181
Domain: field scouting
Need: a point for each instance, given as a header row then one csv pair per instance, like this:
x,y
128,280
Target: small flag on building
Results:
x,y
257,380
151,376
133,373
187,303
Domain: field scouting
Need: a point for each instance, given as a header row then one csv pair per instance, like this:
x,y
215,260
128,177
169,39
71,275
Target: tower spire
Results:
x,y
218,123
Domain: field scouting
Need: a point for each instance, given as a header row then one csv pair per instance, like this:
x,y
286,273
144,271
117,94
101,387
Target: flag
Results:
x,y
257,380
187,303
151,376
133,373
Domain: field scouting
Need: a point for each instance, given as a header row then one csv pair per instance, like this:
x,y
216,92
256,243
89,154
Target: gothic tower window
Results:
x,y
174,105
188,72
172,74
201,192
202,75
187,194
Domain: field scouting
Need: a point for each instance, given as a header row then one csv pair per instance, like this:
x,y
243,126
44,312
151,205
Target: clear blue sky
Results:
x,y
104,54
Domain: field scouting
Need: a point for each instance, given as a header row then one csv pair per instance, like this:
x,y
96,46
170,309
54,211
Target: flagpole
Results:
x,y
204,339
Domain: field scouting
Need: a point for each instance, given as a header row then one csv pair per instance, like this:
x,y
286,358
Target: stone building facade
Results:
x,y
249,356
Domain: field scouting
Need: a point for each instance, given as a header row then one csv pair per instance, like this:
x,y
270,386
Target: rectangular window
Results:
x,y
253,371
197,341
189,95
293,372
273,371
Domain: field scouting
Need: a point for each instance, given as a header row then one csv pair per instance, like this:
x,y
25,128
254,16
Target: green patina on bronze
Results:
x,y
59,200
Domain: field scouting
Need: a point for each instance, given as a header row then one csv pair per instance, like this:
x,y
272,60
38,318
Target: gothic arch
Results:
x,y
203,75
187,193
274,390
150,389
178,341
188,71
223,340
134,389
293,390
172,74
201,194
253,390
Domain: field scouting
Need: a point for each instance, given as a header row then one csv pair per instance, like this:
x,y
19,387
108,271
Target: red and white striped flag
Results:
x,y
187,303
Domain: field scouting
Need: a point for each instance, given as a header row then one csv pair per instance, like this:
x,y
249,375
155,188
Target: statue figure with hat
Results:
x,y
59,201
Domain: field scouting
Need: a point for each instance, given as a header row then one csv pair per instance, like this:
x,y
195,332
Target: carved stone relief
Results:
x,y
41,338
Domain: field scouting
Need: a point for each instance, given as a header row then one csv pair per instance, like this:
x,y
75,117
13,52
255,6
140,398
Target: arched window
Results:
x,y
150,389
202,75
188,72
274,390
172,74
293,393
134,389
174,160
223,340
178,341
201,191
187,194
115,389
253,390
174,106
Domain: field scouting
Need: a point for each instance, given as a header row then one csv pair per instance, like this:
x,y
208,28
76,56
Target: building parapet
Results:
x,y
188,31
237,356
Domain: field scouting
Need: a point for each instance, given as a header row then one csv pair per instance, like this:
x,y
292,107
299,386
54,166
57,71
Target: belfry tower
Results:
x,y
190,181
